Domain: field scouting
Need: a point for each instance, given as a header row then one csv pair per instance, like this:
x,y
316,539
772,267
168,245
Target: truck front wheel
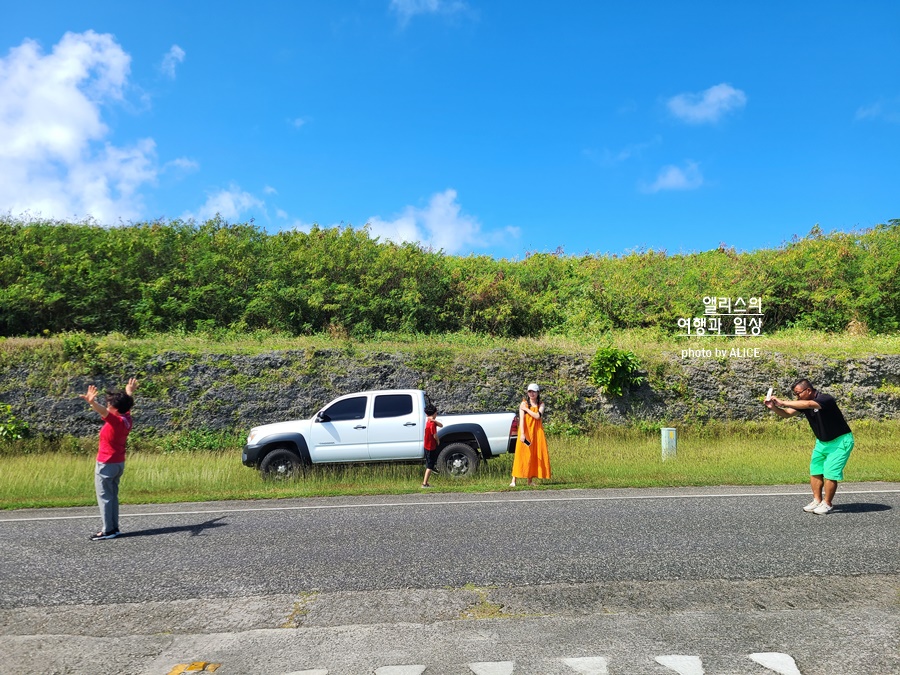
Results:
x,y
458,460
280,464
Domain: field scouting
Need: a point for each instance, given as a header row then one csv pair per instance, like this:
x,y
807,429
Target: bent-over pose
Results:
x,y
834,440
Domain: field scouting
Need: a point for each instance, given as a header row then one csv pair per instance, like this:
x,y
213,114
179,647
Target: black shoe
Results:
x,y
104,535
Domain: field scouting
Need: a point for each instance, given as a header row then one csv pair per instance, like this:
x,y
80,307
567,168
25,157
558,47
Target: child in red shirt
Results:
x,y
111,453
430,442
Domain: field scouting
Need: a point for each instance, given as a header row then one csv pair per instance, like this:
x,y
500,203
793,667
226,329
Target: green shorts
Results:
x,y
830,457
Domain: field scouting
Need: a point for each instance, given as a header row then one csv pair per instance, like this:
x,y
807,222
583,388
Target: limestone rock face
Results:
x,y
182,391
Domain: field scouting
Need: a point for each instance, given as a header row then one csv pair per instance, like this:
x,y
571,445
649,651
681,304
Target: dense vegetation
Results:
x,y
176,276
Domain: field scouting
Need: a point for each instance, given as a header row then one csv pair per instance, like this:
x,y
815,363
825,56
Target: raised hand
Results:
x,y
91,394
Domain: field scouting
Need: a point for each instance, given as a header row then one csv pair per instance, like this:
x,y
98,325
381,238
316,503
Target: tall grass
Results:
x,y
646,342
720,454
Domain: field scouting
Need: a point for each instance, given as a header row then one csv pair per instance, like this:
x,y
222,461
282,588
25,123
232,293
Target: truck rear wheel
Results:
x,y
280,464
458,460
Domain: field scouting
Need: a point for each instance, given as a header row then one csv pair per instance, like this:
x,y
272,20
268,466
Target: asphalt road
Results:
x,y
350,585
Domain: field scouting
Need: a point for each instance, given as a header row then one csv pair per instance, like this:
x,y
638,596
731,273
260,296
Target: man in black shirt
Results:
x,y
834,440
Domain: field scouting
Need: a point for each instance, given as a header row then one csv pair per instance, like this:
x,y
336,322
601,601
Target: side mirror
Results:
x,y
322,417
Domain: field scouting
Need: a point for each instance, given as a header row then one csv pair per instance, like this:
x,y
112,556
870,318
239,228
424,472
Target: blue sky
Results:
x,y
497,128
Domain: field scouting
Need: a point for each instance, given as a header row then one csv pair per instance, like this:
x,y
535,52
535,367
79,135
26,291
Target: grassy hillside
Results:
x,y
170,277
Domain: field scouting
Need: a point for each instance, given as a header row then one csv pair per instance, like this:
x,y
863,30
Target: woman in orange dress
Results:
x,y
532,460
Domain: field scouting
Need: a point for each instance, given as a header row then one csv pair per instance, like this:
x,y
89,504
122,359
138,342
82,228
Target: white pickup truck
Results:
x,y
378,426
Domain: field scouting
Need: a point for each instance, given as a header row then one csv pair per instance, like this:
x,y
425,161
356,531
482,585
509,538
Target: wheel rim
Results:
x,y
458,464
283,469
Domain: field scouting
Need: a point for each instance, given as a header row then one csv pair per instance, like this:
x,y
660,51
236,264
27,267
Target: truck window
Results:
x,y
393,405
347,409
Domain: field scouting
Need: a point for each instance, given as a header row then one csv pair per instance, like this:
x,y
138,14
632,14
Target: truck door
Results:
x,y
395,428
340,432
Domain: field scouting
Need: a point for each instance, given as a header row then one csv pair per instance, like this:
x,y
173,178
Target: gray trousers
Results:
x,y
106,483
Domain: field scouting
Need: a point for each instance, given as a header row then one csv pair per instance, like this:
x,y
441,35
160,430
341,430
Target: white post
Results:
x,y
669,443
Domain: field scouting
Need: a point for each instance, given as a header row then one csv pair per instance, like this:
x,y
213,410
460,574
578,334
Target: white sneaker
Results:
x,y
812,506
823,508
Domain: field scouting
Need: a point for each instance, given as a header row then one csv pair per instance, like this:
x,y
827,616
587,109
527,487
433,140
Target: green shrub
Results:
x,y
615,370
564,429
199,440
11,427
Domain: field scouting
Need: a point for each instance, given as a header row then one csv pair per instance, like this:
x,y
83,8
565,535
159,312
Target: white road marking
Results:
x,y
682,664
492,667
589,665
419,504
780,663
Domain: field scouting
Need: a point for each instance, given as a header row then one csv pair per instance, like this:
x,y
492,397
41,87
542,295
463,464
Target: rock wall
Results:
x,y
181,391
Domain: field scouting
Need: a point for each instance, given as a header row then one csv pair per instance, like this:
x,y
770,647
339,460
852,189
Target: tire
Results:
x,y
458,460
281,464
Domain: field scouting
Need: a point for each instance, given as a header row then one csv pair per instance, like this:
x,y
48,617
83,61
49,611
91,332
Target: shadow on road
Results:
x,y
195,530
860,507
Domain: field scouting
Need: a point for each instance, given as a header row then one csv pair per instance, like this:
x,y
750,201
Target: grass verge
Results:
x,y
720,454
647,343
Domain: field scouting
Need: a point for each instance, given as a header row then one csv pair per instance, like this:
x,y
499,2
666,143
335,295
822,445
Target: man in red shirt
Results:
x,y
111,453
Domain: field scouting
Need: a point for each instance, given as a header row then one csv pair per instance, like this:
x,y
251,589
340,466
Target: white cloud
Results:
x,y
54,159
269,190
889,111
232,204
173,57
183,164
612,157
297,122
674,178
407,9
441,225
707,106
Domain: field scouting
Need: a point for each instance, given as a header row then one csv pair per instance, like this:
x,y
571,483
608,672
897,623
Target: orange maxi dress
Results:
x,y
532,461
